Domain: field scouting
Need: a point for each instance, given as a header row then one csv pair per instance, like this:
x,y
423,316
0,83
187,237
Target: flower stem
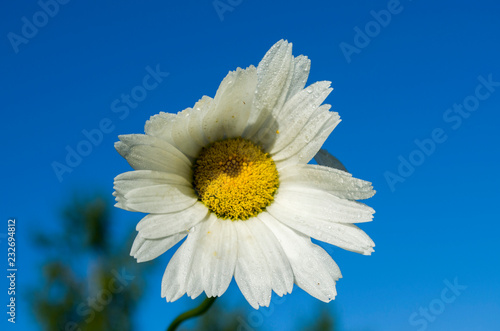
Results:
x,y
201,309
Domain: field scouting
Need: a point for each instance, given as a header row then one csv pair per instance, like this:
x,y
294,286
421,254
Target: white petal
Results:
x,y
281,272
274,75
297,112
324,158
159,199
217,251
266,133
180,134
205,262
337,182
318,128
155,226
138,242
130,180
145,152
160,125
174,129
311,148
233,103
318,215
178,272
121,202
195,125
318,204
147,249
301,68
252,272
314,270
194,283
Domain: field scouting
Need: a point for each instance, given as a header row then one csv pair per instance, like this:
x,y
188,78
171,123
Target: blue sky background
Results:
x,y
438,223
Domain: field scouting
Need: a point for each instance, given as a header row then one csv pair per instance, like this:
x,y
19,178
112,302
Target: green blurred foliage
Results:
x,y
218,319
87,283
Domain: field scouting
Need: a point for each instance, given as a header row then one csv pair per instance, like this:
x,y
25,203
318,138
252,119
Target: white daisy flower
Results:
x,y
231,176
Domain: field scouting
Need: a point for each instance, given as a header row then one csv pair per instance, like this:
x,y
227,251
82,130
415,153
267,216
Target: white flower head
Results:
x,y
231,175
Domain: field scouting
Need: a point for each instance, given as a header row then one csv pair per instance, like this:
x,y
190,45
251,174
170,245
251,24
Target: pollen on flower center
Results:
x,y
235,179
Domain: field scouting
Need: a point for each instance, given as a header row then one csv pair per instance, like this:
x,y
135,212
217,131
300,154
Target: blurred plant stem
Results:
x,y
201,309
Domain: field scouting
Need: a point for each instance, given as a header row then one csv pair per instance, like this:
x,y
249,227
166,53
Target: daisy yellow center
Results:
x,y
235,179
